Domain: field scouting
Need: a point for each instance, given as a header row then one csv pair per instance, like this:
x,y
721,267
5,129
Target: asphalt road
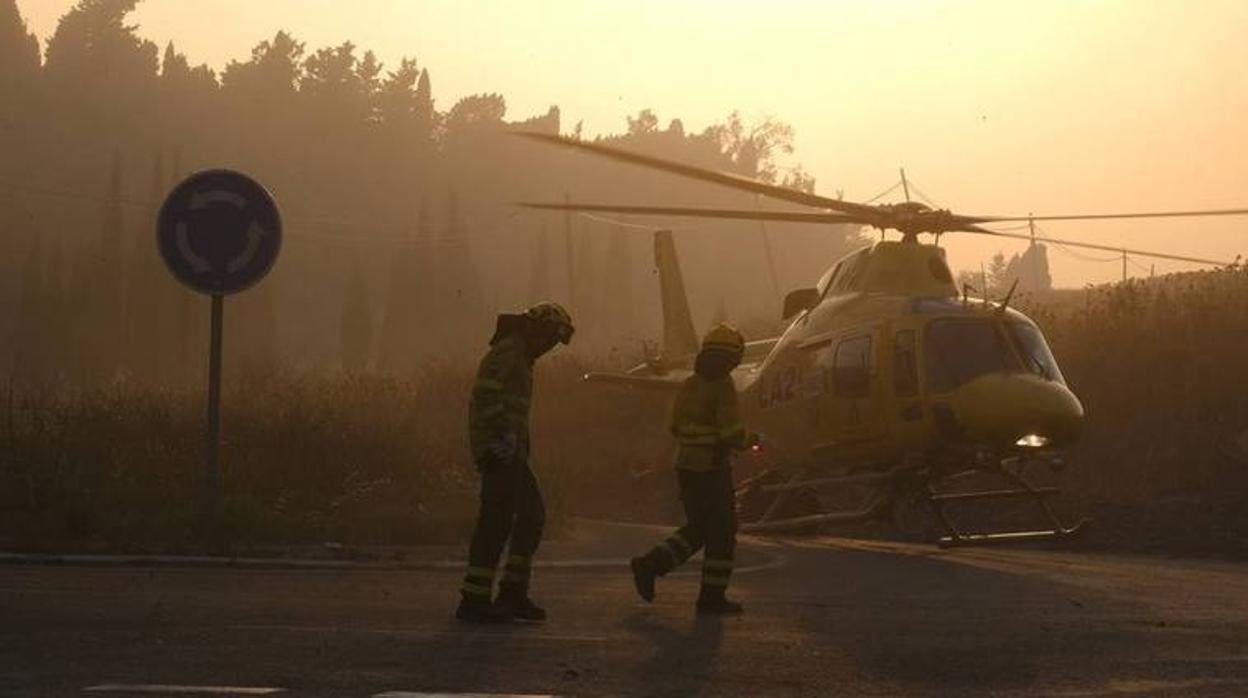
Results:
x,y
824,617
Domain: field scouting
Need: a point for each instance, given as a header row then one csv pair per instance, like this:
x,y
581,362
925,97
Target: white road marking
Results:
x,y
170,688
409,694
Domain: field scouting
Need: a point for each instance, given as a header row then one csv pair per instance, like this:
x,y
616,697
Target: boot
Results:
x,y
644,575
515,603
479,610
714,604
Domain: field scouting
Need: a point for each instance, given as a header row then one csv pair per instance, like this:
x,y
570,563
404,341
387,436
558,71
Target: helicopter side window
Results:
x,y
1035,351
905,365
851,367
959,350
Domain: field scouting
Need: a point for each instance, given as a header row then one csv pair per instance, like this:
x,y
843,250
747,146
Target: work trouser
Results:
x,y
710,523
511,508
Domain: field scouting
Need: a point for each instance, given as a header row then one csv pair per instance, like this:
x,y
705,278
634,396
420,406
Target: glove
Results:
x,y
502,450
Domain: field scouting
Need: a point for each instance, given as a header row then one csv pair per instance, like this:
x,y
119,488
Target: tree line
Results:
x,y
401,240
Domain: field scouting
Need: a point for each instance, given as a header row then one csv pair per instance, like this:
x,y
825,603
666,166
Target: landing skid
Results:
x,y
874,490
877,493
1022,489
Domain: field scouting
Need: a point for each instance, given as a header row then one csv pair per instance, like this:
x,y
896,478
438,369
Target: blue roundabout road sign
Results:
x,y
219,232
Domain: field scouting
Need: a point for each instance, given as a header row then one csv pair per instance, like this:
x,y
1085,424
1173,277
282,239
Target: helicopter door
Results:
x,y
908,416
856,408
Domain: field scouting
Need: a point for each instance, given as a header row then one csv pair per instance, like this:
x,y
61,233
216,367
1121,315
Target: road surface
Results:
x,y
824,617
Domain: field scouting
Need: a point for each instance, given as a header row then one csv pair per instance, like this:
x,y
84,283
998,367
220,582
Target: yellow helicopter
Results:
x,y
889,386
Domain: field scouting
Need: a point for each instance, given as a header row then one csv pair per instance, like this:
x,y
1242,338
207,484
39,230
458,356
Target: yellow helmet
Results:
x,y
556,315
726,338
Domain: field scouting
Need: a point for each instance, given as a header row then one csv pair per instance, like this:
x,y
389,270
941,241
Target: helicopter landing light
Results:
x,y
1032,441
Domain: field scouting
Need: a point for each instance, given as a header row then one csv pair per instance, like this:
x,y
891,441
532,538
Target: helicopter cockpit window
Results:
x,y
844,273
853,267
826,280
959,350
1035,351
851,367
905,364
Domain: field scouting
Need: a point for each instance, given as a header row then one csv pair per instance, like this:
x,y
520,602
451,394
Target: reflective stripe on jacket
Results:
x,y
501,395
706,422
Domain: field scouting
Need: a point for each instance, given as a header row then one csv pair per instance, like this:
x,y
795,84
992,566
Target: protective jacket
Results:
x,y
512,512
498,412
706,422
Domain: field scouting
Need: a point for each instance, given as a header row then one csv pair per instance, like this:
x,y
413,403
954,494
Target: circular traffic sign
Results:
x,y
219,232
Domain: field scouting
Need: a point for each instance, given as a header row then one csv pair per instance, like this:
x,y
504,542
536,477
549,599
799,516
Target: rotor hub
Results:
x,y
913,218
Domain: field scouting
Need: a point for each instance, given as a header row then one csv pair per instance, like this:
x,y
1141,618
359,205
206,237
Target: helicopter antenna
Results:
x,y
983,280
1035,258
1010,294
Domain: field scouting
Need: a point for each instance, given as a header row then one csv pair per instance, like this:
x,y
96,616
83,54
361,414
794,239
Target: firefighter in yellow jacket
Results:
x,y
512,513
706,423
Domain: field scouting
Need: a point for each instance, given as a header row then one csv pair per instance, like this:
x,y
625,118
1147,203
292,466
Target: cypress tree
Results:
x,y
30,343
55,313
189,322
426,322
104,316
356,326
460,294
422,109
539,285
144,291
399,342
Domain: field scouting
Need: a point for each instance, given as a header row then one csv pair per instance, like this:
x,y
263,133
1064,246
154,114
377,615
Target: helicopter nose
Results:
x,y
1017,408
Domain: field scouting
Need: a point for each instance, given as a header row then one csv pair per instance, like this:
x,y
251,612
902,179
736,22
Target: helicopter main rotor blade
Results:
x,y
705,175
1108,216
1092,246
733,214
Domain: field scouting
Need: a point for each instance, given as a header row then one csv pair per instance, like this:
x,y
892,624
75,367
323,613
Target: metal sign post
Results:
x,y
219,232
211,506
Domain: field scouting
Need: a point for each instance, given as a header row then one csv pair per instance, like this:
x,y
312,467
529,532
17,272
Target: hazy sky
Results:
x,y
993,106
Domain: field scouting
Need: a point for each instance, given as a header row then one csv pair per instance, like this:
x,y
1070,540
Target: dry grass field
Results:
x,y
305,459
1161,366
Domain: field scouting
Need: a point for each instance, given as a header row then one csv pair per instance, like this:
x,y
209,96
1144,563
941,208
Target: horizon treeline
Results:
x,y
401,241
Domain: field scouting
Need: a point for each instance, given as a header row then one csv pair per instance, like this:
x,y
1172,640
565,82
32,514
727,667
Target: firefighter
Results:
x,y
512,513
706,423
